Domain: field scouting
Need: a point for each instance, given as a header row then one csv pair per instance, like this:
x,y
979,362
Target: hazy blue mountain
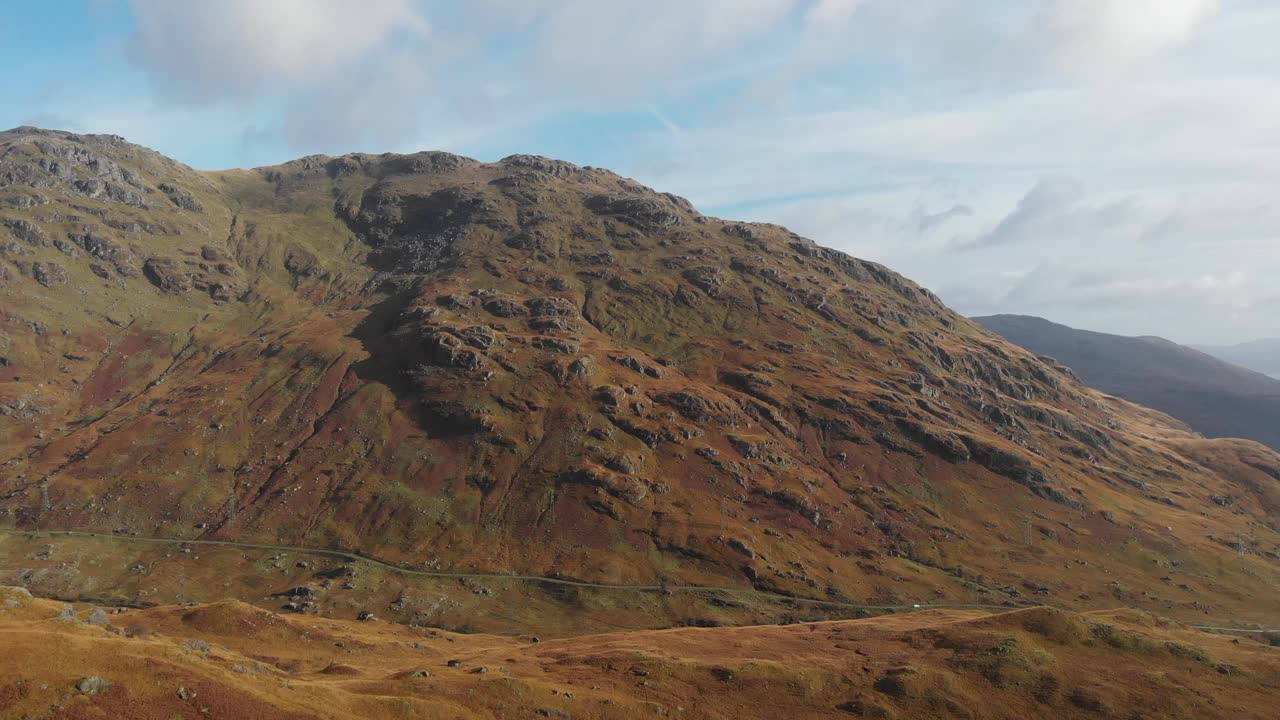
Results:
x,y
1260,355
1213,396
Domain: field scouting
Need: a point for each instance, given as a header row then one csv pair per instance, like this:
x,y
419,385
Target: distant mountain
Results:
x,y
1213,396
1260,355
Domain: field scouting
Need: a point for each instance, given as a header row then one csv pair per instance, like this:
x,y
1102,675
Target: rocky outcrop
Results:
x,y
644,213
48,274
166,274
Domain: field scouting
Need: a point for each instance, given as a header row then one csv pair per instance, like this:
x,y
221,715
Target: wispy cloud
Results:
x,y
1054,210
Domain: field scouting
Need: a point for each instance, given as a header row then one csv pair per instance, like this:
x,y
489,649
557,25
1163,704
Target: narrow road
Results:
x,y
540,579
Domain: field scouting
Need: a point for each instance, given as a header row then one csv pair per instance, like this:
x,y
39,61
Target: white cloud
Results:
x,y
340,70
204,50
827,13
366,105
1058,286
1101,34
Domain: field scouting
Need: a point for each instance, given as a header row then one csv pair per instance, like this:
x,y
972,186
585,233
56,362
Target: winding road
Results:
x,y
540,579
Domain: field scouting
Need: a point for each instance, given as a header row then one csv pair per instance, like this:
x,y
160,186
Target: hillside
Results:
x,y
230,660
1258,355
531,368
1214,397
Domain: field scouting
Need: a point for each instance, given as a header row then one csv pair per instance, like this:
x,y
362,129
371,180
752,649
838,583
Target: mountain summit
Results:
x,y
532,367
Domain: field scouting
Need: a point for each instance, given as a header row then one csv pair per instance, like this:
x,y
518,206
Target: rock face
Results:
x,y
527,366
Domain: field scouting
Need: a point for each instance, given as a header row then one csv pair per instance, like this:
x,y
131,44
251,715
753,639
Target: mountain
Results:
x,y
1212,396
231,660
537,394
1258,355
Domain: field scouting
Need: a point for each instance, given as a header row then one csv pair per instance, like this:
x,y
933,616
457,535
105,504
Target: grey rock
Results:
x,y
48,274
24,230
551,307
24,202
706,278
165,274
742,547
10,248
96,189
636,365
447,350
610,395
98,617
624,464
548,166
640,212
92,685
503,308
65,247
194,645
181,198
580,367
556,345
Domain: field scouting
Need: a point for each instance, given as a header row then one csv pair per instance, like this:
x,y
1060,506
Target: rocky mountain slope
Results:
x,y
231,660
1258,355
1214,397
537,368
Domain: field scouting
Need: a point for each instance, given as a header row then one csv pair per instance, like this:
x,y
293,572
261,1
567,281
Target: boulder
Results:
x,y
48,274
706,278
181,198
92,685
502,307
24,230
542,307
640,212
165,274
98,617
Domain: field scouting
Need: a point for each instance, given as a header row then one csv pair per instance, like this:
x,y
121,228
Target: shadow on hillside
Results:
x,y
388,361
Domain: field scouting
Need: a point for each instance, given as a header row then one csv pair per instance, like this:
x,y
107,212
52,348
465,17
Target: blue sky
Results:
x,y
1111,164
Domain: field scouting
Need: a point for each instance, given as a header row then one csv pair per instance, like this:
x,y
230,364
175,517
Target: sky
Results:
x,y
1108,164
